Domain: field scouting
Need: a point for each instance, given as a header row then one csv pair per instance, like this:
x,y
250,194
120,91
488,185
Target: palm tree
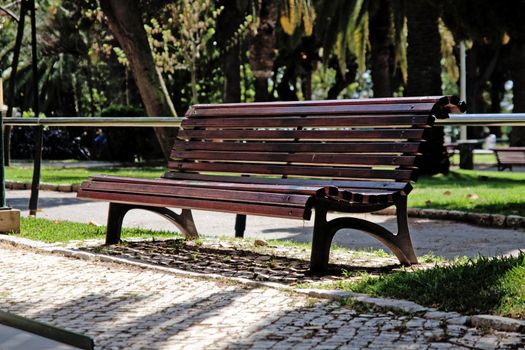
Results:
x,y
424,74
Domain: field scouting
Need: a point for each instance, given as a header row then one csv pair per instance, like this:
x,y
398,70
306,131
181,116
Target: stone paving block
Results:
x,y
127,307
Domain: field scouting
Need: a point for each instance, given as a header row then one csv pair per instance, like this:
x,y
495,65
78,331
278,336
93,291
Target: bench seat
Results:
x,y
509,157
290,160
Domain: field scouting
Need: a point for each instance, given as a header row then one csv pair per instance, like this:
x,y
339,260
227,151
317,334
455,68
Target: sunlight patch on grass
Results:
x,y
63,231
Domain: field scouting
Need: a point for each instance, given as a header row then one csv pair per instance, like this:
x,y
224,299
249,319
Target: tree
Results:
x,y
262,47
124,20
424,75
382,51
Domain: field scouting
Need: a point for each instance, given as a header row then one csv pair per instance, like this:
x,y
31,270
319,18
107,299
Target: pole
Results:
x,y
33,200
2,174
463,83
12,79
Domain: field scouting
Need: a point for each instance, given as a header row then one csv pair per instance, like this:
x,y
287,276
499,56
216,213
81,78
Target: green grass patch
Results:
x,y
473,191
70,176
479,158
63,231
470,286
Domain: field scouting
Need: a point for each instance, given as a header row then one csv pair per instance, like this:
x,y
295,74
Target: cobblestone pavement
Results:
x,y
125,307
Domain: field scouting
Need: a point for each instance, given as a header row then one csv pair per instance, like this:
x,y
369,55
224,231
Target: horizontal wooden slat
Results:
x,y
314,121
324,171
442,100
305,158
200,193
271,188
384,134
258,111
202,204
369,197
352,184
295,147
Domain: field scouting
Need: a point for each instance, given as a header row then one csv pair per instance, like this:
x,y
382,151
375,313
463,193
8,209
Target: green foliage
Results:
x,y
180,42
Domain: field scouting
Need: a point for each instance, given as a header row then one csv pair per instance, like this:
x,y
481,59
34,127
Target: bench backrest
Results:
x,y
510,155
372,139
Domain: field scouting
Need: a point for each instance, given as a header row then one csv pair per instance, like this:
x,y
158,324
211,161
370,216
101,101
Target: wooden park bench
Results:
x,y
510,156
285,159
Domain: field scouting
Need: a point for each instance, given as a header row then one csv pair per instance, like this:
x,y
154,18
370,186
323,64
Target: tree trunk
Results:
x,y
382,48
262,49
424,76
125,22
517,135
228,23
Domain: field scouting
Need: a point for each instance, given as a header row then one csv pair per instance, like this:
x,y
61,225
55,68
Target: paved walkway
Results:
x,y
125,307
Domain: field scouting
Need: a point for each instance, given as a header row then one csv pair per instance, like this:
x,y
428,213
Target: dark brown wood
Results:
x,y
196,192
298,212
270,188
443,104
346,156
369,109
423,120
332,172
379,185
309,147
304,158
376,134
441,100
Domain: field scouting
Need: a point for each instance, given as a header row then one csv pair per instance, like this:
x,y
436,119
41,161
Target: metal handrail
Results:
x,y
484,119
96,121
480,119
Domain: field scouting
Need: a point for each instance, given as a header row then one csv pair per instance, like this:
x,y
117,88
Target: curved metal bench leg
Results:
x,y
324,231
321,241
117,211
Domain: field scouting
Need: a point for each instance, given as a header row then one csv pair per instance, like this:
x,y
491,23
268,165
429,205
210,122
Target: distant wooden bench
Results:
x,y
285,159
510,156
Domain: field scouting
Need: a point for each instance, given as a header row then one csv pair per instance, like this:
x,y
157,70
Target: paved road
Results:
x,y
445,238
125,307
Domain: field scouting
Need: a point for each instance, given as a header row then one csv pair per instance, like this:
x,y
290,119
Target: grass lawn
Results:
x,y
65,231
69,176
470,286
479,158
473,191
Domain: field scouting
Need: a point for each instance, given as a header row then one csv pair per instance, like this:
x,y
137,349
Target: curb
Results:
x,y
498,323
17,185
479,219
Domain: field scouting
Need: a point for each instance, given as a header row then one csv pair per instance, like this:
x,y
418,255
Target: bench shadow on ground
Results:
x,y
240,262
